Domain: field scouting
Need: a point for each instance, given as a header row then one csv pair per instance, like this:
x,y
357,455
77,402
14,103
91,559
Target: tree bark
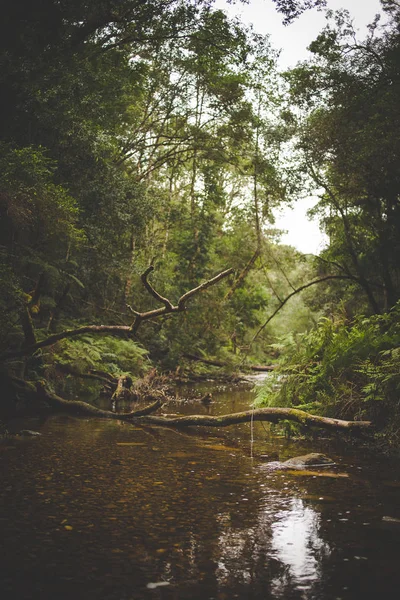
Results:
x,y
124,330
55,313
123,390
218,363
78,408
28,329
272,415
39,396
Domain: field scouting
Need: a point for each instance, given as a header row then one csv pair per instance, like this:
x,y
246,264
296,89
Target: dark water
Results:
x,y
104,510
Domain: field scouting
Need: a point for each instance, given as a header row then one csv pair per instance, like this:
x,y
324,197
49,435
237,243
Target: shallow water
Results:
x,y
106,510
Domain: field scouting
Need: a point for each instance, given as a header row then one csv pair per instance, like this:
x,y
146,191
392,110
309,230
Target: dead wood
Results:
x,y
78,408
102,376
271,415
121,330
38,396
218,363
168,307
123,390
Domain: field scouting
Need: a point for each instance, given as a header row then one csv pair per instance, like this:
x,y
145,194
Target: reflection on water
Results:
x,y
109,511
297,544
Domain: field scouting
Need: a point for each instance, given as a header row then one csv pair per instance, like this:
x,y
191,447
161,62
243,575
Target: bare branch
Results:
x,y
242,276
122,330
272,415
134,312
76,407
183,299
300,289
152,291
52,339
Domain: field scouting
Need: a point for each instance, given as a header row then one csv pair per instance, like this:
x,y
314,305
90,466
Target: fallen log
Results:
x,y
78,408
262,368
272,415
39,394
218,363
35,398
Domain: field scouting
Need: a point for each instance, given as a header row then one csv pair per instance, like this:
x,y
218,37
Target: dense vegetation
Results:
x,y
160,132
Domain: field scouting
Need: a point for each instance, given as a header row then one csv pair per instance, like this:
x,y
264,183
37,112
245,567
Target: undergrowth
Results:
x,y
342,369
70,357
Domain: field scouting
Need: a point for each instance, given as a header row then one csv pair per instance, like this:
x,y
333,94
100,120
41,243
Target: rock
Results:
x,y
391,520
29,433
308,460
156,584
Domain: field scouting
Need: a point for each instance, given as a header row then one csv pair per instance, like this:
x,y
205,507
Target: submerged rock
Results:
x,y
308,473
313,459
29,433
391,520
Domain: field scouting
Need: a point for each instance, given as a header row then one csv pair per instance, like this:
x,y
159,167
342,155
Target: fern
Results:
x,y
341,368
106,353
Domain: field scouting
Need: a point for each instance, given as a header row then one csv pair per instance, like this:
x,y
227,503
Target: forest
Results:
x,y
192,409
144,147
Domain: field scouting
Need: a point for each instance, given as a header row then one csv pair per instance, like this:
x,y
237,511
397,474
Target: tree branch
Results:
x,y
183,299
296,291
76,407
152,291
242,276
33,393
122,330
218,363
272,415
52,339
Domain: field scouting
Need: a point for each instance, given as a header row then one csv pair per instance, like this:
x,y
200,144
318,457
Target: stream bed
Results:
x,y
105,510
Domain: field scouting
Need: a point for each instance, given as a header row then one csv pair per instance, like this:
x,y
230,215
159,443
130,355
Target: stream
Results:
x,y
104,510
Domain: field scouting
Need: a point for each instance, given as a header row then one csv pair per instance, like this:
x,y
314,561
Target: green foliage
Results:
x,y
12,300
291,9
348,133
128,136
342,369
31,204
106,353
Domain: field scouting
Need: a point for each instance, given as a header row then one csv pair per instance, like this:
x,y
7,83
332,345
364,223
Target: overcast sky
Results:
x,y
292,41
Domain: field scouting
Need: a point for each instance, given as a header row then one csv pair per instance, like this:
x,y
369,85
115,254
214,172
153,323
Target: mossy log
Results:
x,y
271,415
39,396
218,363
28,398
78,408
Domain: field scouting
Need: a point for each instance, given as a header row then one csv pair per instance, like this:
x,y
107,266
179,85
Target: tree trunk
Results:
x,y
272,415
55,313
78,408
39,397
218,363
123,390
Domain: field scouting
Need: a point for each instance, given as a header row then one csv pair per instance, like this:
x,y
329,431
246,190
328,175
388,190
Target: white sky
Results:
x,y
293,40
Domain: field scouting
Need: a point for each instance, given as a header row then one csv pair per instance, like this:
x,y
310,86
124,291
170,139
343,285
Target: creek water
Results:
x,y
104,510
